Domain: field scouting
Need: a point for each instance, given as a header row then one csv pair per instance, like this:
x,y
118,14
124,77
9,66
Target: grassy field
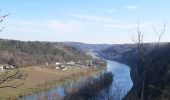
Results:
x,y
40,78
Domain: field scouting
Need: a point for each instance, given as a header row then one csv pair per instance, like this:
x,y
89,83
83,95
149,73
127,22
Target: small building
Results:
x,y
57,63
12,67
8,67
71,63
1,69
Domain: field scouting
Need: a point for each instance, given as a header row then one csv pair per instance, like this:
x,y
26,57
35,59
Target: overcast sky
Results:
x,y
89,21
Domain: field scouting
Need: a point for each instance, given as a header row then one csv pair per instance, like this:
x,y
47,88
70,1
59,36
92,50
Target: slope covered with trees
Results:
x,y
157,75
21,53
86,47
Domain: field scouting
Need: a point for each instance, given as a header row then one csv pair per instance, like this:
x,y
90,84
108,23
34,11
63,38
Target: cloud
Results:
x,y
97,19
64,26
111,23
131,7
25,26
51,26
103,10
80,29
82,24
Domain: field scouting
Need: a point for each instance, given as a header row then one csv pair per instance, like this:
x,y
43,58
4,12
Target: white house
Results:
x,y
57,63
7,67
71,63
1,69
12,67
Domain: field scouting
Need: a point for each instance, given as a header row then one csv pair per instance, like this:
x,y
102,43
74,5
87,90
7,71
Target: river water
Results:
x,y
121,83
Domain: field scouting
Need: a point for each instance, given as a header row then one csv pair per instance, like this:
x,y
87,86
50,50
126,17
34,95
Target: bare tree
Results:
x,y
11,78
144,53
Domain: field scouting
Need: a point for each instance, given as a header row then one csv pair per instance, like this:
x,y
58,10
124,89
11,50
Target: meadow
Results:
x,y
41,78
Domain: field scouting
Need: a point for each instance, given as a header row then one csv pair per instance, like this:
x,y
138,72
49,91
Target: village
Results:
x,y
65,65
6,67
62,65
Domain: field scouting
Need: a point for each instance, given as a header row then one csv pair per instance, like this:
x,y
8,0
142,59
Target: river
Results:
x,y
121,83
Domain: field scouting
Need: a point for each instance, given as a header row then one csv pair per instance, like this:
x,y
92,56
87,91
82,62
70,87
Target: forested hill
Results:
x,y
157,75
21,53
86,47
117,52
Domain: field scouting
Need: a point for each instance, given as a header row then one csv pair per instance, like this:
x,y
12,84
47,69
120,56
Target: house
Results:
x,y
71,63
12,67
8,67
1,69
57,63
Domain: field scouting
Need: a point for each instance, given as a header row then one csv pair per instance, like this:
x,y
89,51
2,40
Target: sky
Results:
x,y
88,21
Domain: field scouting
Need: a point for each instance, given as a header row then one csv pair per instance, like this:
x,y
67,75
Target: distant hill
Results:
x,y
86,47
21,53
116,52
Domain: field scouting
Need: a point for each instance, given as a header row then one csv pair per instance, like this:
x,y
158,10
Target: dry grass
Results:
x,y
40,78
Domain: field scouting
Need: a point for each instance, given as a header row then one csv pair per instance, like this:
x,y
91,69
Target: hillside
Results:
x,y
116,52
86,47
157,84
21,53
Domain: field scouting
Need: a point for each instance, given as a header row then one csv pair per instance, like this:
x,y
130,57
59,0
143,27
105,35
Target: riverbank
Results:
x,y
41,78
157,75
89,88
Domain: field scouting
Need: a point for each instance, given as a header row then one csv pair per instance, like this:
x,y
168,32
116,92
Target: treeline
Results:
x,y
21,53
90,88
